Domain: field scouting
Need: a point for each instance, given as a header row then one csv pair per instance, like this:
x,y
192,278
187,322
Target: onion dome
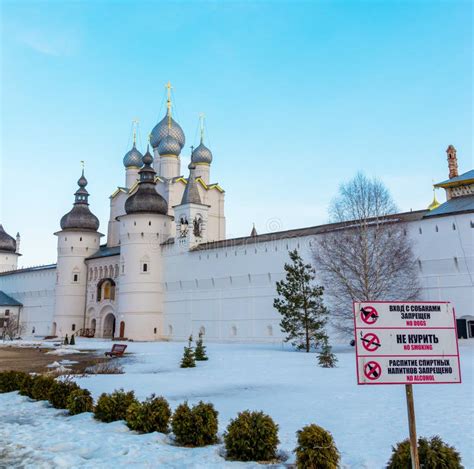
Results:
x,y
169,146
435,203
146,199
201,155
133,158
80,217
167,126
7,242
191,191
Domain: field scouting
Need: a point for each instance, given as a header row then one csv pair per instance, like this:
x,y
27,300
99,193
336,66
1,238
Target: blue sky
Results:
x,y
298,96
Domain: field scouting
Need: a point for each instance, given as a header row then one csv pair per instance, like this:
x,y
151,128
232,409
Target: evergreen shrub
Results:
x,y
433,453
153,415
41,387
200,352
316,449
26,383
59,393
10,380
73,340
326,358
251,436
112,407
80,401
195,426
188,360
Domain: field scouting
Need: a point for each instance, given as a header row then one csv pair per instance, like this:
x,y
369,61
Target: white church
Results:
x,y
165,269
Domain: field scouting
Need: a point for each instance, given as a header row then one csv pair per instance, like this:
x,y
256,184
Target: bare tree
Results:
x,y
12,328
367,255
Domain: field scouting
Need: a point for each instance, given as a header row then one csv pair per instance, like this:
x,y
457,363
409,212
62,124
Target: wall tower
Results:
x,y
9,251
142,230
77,240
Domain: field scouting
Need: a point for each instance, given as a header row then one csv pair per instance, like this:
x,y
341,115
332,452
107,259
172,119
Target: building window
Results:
x,y
7,312
73,327
75,278
454,226
155,330
270,330
145,267
436,228
420,230
233,331
170,330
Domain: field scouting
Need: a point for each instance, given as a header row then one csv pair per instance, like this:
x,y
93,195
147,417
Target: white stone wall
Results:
x,y
8,261
229,291
35,290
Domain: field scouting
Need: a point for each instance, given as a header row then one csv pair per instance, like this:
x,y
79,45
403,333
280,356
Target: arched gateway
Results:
x,y
109,326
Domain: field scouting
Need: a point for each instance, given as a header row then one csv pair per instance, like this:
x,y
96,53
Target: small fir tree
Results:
x,y
72,341
66,340
200,352
326,358
188,360
301,306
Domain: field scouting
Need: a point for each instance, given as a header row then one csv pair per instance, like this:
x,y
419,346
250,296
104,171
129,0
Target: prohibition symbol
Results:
x,y
370,342
372,371
369,314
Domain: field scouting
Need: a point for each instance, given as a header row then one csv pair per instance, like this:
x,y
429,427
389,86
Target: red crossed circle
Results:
x,y
372,370
369,314
370,342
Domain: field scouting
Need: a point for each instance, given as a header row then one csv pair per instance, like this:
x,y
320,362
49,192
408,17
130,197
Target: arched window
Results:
x,y
270,330
170,330
233,331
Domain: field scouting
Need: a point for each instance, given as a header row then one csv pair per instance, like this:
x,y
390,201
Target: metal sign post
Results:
x,y
415,462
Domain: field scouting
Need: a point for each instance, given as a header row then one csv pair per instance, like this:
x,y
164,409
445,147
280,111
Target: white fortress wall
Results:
x,y
34,288
230,290
445,249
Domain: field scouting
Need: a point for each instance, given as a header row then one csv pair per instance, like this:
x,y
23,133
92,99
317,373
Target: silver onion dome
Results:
x,y
146,199
80,217
7,242
169,146
201,154
167,126
133,158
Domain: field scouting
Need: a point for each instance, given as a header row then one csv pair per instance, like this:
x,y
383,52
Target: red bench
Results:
x,y
117,350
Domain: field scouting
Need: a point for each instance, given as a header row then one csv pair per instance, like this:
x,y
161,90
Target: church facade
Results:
x,y
166,269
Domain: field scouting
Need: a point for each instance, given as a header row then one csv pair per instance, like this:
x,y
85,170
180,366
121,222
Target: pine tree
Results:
x,y
301,305
188,360
326,358
73,340
200,352
66,340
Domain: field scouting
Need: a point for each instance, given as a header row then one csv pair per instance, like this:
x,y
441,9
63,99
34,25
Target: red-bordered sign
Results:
x,y
370,342
406,343
372,370
369,315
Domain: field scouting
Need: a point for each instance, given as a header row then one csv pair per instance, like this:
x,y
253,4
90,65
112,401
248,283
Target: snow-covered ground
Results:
x,y
365,420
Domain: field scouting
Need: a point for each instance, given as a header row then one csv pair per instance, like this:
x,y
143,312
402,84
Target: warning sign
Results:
x,y
370,341
406,343
369,315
